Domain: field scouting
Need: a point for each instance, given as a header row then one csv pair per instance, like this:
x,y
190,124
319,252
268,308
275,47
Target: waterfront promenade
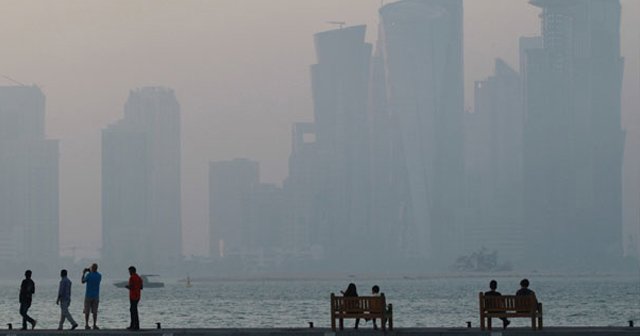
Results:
x,y
558,331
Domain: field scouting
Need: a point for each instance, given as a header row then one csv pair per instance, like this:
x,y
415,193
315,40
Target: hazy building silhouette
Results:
x,y
29,201
230,186
387,169
631,194
249,220
421,49
493,151
265,226
525,44
631,186
340,81
573,142
302,187
141,209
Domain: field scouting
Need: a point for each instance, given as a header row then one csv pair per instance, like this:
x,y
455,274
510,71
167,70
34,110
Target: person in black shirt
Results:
x,y
27,288
524,288
525,291
493,285
351,292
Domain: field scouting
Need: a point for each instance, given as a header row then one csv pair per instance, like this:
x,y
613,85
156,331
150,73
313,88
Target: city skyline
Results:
x,y
79,217
141,180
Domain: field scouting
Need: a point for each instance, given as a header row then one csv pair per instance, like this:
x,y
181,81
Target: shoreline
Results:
x,y
406,276
548,331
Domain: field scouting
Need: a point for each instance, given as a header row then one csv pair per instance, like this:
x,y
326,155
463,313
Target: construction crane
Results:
x,y
12,80
340,24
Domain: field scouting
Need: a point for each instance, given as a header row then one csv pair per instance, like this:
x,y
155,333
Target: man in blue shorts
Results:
x,y
92,278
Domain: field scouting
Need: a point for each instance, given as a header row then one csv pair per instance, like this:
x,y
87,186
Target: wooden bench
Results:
x,y
364,307
505,306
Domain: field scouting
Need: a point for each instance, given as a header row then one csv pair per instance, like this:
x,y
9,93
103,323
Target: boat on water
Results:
x,y
146,283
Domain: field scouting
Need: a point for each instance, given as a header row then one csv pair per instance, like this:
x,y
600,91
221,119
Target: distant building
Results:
x,y
421,52
525,44
631,186
141,208
249,221
265,226
340,82
302,186
29,189
494,165
573,141
387,170
231,184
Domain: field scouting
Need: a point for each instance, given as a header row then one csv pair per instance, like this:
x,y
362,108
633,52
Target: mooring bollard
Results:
x,y
158,325
10,326
311,325
468,324
631,323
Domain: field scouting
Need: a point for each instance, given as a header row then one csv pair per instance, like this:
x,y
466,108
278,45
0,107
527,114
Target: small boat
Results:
x,y
146,283
188,281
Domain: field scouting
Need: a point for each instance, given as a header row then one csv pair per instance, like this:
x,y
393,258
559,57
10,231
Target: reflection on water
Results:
x,y
437,302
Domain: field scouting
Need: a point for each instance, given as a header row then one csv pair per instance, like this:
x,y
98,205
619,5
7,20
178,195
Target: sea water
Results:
x,y
439,301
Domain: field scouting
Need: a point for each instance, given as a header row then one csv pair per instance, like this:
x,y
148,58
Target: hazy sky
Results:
x,y
240,69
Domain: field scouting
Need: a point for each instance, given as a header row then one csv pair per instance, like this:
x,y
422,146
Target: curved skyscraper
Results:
x,y
421,51
340,81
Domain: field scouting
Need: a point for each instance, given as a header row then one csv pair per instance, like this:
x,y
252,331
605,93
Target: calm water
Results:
x,y
431,302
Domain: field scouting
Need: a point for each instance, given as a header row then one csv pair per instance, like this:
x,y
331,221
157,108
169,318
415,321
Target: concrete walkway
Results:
x,y
588,331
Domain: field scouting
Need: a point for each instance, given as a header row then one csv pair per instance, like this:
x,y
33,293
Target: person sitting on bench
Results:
x,y
493,285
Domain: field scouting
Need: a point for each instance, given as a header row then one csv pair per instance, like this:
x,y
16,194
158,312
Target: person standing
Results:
x,y
27,289
92,279
64,300
135,287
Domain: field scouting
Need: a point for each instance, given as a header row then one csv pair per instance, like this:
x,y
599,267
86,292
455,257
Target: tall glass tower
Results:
x,y
141,216
573,141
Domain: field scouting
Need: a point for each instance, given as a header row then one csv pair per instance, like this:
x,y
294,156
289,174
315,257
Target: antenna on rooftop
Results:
x,y
340,24
12,80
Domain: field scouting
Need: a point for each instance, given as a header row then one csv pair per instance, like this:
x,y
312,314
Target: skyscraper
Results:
x,y
573,142
29,201
230,186
493,151
421,49
340,82
141,216
301,187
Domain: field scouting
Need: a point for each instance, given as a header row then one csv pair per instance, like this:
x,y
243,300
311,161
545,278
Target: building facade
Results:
x,y
141,193
421,49
493,151
340,96
573,141
29,187
230,186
